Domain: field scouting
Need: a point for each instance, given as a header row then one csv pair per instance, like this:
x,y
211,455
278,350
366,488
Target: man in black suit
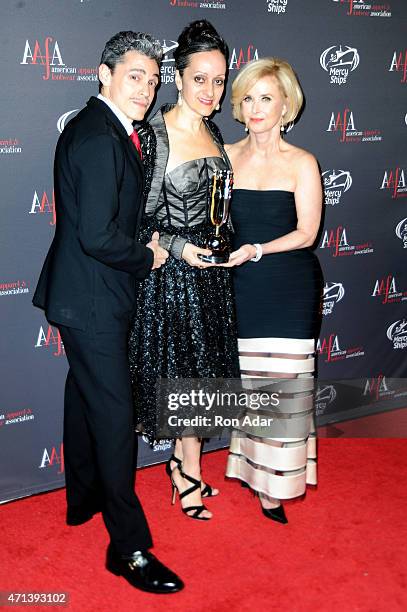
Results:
x,y
87,288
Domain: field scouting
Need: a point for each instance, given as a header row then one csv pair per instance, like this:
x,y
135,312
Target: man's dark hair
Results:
x,y
122,42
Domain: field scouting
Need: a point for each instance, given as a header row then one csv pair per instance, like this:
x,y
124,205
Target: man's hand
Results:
x,y
160,254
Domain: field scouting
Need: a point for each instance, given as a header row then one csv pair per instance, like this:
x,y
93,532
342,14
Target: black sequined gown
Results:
x,y
184,325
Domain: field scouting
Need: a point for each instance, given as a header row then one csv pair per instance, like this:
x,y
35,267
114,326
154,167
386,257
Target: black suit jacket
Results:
x,y
95,260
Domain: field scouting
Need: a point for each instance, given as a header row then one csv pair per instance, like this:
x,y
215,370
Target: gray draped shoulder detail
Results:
x,y
163,151
174,244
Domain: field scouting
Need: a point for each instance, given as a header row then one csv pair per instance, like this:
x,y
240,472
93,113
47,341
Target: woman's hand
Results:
x,y
190,254
239,257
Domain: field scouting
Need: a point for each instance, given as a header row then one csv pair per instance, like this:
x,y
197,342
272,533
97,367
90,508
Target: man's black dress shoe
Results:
x,y
78,515
143,571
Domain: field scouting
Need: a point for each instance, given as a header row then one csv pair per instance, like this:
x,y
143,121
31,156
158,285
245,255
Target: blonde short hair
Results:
x,y
268,67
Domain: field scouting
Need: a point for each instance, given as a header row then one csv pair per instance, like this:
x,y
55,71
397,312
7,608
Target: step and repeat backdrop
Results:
x,y
351,58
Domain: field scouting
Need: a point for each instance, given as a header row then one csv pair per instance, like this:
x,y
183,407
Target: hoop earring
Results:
x,y
179,101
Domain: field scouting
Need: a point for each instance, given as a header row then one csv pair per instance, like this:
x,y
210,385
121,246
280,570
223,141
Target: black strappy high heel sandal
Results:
x,y
196,484
168,469
207,491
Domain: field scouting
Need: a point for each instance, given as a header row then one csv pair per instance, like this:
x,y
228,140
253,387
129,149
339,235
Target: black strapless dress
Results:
x,y
277,305
279,296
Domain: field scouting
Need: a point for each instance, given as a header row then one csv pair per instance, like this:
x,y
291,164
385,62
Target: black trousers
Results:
x,y
99,440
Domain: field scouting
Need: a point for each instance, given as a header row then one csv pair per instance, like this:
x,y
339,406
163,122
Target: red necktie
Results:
x,y
136,141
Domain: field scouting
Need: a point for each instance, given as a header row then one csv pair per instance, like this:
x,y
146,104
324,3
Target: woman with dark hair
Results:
x,y
184,325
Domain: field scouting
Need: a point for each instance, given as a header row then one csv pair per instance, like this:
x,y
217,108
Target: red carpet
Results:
x,y
343,549
392,424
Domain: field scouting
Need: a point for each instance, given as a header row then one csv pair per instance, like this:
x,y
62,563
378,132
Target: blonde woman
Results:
x,y
276,214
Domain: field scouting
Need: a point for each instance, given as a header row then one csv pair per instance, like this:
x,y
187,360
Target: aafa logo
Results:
x,y
399,64
339,62
242,56
336,183
47,56
397,333
401,231
44,205
363,8
329,347
387,290
343,122
53,458
16,416
10,146
51,338
332,294
335,239
376,387
14,287
202,5
394,180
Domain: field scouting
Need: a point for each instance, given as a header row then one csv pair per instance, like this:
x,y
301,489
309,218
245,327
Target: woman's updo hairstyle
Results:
x,y
196,37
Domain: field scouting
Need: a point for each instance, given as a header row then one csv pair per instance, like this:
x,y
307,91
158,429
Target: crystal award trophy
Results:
x,y
222,183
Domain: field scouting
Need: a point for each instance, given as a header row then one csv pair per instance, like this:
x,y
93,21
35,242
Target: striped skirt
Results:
x,y
277,461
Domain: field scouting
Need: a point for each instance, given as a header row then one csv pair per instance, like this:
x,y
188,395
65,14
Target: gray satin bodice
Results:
x,y
185,197
181,197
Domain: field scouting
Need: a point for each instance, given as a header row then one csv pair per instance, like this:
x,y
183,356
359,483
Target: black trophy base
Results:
x,y
220,250
215,258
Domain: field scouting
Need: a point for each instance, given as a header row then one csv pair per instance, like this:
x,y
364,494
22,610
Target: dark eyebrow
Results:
x,y
143,72
206,74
